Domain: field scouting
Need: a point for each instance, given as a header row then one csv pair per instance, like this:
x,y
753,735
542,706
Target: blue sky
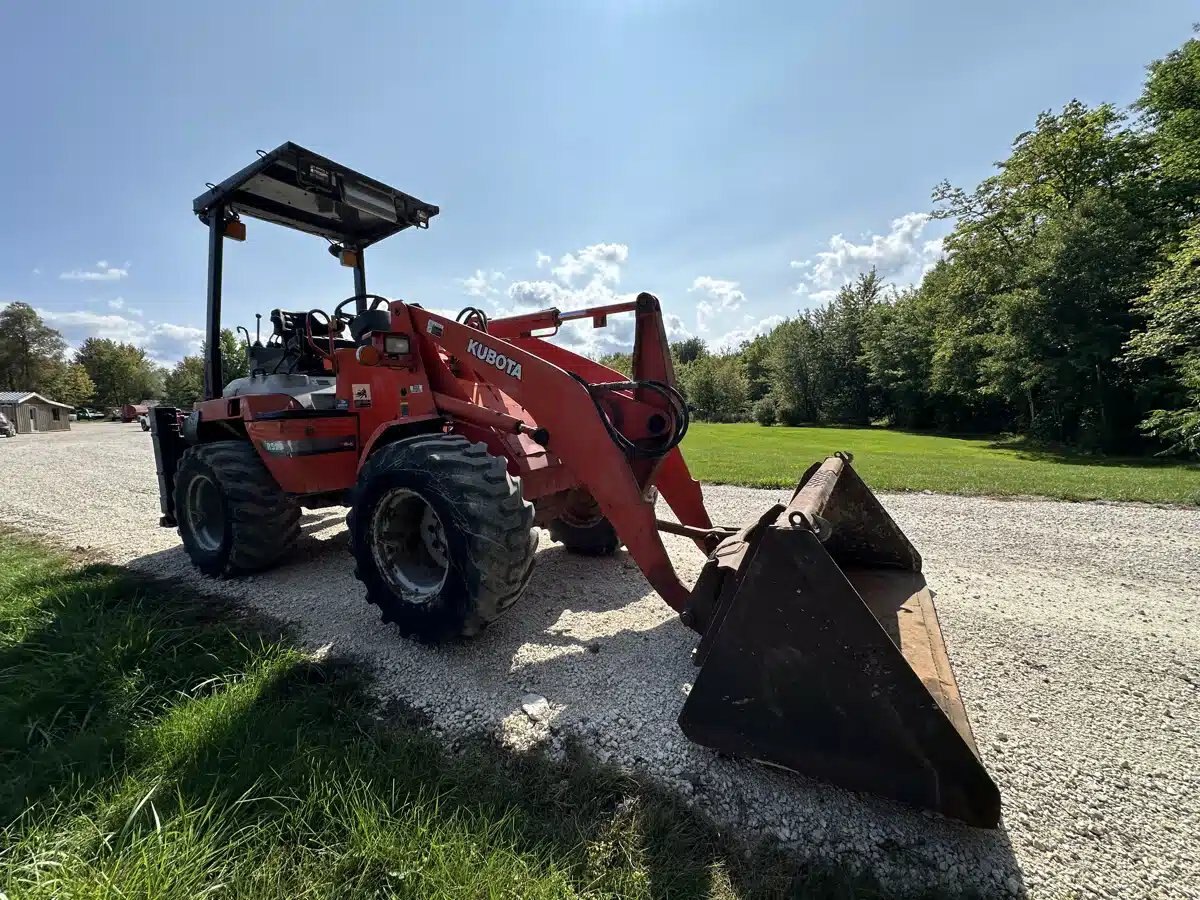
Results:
x,y
740,160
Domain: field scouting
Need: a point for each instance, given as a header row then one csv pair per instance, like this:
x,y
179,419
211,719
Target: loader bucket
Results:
x,y
821,653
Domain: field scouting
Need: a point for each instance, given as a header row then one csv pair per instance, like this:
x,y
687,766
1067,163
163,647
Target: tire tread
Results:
x,y
265,521
502,539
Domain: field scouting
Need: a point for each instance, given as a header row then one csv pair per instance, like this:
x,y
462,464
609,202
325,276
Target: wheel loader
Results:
x,y
451,440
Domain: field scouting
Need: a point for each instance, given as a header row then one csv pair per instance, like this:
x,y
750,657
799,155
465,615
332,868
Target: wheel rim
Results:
x,y
408,542
205,513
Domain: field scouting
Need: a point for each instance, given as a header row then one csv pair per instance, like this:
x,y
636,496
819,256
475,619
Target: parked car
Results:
x,y
144,421
6,427
85,414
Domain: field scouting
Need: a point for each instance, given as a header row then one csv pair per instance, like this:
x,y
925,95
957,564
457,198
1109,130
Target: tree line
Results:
x,y
1066,308
102,373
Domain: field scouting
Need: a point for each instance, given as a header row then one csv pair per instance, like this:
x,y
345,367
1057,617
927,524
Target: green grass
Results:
x,y
154,744
901,461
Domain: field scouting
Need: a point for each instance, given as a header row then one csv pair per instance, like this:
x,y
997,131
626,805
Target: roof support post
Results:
x,y
360,282
212,330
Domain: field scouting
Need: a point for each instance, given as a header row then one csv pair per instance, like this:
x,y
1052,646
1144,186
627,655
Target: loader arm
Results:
x,y
672,477
651,360
577,436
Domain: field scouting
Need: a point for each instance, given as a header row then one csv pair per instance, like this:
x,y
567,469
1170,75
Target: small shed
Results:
x,y
31,412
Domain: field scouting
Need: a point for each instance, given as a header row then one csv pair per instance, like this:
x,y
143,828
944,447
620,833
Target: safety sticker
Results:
x,y
362,395
435,328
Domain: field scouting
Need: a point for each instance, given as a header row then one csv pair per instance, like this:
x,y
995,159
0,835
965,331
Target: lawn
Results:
x,y
901,461
155,744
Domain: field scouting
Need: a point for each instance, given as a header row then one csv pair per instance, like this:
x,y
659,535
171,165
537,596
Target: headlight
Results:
x,y
396,344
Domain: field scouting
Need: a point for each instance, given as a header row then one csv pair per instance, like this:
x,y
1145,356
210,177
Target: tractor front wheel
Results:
x,y
233,517
583,529
441,536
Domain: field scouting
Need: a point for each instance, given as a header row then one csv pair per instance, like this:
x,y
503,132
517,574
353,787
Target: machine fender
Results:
x,y
390,432
308,456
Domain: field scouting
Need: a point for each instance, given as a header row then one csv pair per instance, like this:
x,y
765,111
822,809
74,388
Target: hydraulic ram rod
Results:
x,y
691,531
488,418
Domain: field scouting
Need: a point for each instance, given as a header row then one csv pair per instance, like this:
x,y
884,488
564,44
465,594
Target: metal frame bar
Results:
x,y
212,320
360,281
229,194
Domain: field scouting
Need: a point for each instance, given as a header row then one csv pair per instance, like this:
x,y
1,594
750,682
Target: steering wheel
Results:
x,y
376,302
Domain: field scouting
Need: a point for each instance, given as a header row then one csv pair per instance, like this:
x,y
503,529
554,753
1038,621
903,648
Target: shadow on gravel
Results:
x,y
119,690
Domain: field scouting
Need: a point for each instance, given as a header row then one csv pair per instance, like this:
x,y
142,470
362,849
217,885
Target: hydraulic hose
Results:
x,y
678,418
473,317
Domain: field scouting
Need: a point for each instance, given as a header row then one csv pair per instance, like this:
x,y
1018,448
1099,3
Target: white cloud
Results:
x,y
901,256
676,330
580,336
587,277
181,333
119,303
598,262
726,293
37,271
165,342
721,298
481,284
734,339
581,279
102,272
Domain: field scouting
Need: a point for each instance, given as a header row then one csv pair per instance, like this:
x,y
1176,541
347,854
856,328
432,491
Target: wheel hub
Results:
x,y
582,510
205,513
408,542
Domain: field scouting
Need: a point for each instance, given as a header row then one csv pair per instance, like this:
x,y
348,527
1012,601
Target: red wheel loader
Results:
x,y
452,439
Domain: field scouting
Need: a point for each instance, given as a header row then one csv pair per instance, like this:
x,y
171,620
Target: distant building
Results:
x,y
31,412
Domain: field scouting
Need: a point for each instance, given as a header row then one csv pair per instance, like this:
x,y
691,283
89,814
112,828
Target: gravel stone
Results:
x,y
1072,628
536,707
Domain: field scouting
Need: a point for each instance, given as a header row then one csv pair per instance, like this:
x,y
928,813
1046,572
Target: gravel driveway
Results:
x,y
1073,629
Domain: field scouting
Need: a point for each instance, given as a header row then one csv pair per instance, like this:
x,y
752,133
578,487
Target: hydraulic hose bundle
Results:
x,y
677,418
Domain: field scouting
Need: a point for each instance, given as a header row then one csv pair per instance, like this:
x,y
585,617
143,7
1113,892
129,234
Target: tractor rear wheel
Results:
x,y
582,528
441,536
233,516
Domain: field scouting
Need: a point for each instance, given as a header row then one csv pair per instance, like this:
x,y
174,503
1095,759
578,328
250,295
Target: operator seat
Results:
x,y
293,329
288,323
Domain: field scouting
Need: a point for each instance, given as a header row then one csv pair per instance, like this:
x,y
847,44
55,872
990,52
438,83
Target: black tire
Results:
x,y
583,529
598,539
253,521
481,555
